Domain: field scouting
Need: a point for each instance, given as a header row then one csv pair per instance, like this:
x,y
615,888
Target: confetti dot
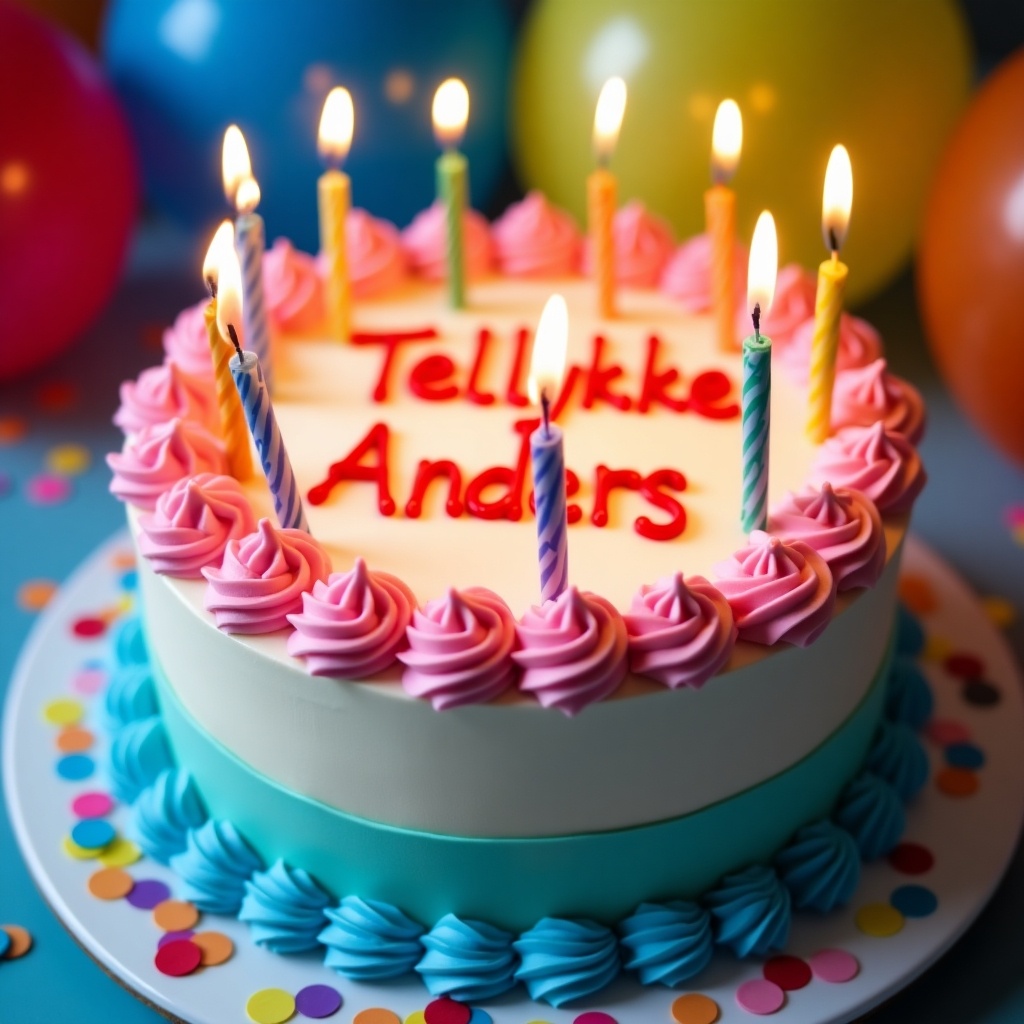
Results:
x,y
945,731
965,755
788,972
92,805
89,681
46,489
981,694
73,850
957,782
5,943
56,395
917,594
1001,613
480,1017
21,940
963,665
416,1018
594,1017
937,649
760,997
376,1015
148,893
912,859
68,459
75,767
216,946
73,739
35,595
175,915
130,580
120,853
175,937
317,1001
879,920
270,1006
88,627
110,883
123,559
835,966
12,429
179,958
914,901
446,1011
695,1008
93,834
63,711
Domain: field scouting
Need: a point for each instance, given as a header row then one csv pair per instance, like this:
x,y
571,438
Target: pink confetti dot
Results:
x,y
760,997
595,1017
835,966
92,805
46,489
947,731
447,1011
89,681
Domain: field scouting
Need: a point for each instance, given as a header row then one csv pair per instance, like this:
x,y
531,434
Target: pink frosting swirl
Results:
x,y
573,651
262,578
792,307
160,455
643,246
353,625
376,262
880,462
425,244
192,523
681,632
866,394
778,592
162,393
532,238
292,289
687,276
460,648
187,341
859,344
844,527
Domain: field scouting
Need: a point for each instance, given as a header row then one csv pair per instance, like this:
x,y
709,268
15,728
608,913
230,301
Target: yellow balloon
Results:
x,y
886,80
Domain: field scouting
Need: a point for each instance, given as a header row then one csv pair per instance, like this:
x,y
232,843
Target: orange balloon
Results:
x,y
971,260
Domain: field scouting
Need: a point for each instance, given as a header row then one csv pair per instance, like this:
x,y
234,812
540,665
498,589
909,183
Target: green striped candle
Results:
x,y
451,190
755,398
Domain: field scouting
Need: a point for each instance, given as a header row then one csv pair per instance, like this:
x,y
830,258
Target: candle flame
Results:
x,y
547,362
764,264
247,196
337,123
837,198
611,106
223,242
235,165
726,141
450,112
229,297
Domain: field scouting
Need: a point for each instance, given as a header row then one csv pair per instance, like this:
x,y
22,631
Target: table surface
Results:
x,y
962,514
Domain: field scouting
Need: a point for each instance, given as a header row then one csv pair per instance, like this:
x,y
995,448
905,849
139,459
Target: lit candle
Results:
x,y
232,420
756,390
333,198
828,304
243,193
450,113
602,192
255,398
720,217
547,366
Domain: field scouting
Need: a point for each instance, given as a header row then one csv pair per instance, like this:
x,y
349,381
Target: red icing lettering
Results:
x,y
513,395
707,390
427,379
599,379
573,513
650,488
390,340
349,468
656,385
510,504
473,393
426,473
608,480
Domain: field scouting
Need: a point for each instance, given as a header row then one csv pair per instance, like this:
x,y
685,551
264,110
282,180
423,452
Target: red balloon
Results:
x,y
68,190
971,260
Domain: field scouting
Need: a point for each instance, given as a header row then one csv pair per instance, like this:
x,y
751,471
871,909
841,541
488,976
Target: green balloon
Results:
x,y
888,80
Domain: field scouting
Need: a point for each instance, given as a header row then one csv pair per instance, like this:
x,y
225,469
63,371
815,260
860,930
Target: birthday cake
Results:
x,y
368,734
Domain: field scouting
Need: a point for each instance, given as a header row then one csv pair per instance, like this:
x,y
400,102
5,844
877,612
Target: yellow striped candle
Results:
x,y
333,201
720,218
602,192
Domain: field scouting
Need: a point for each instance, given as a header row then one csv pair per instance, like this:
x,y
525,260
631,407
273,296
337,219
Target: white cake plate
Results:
x,y
972,839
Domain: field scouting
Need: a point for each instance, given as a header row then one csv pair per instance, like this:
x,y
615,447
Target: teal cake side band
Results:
x,y
513,883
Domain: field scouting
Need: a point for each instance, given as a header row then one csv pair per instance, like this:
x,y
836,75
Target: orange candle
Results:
x,y
720,218
602,192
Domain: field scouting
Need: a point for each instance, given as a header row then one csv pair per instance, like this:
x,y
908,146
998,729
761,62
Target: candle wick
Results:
x,y
833,243
756,317
545,411
234,340
211,283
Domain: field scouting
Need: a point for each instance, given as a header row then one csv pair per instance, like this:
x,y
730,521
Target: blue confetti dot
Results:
x,y
75,767
93,833
965,755
914,901
480,1017
5,943
94,663
130,580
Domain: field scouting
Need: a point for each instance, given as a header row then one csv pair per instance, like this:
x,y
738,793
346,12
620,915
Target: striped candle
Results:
x,y
334,194
232,420
755,397
548,460
250,242
452,174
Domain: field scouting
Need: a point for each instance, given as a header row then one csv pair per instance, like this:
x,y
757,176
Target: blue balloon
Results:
x,y
185,69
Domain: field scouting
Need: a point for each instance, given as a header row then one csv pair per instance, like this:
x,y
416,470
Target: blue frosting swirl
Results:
x,y
564,960
284,909
910,635
130,643
898,757
130,695
165,812
820,866
214,867
667,943
871,811
368,940
467,960
138,754
752,911
908,698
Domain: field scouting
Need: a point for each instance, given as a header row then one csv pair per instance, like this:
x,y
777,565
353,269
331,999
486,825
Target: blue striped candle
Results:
x,y
259,414
755,397
250,241
547,454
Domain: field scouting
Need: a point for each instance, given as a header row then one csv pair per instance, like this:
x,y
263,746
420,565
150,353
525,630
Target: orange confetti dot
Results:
x,y
957,781
999,611
879,920
937,648
917,594
34,595
216,947
12,429
376,1015
74,739
110,883
21,941
695,1008
175,915
123,560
